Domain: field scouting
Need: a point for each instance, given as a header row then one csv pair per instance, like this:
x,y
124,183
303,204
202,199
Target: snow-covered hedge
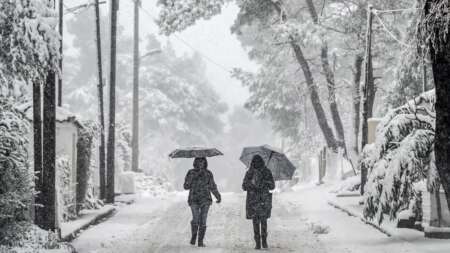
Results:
x,y
66,194
16,178
27,238
401,157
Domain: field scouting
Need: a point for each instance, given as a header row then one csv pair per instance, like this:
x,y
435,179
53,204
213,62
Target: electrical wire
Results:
x,y
184,42
389,32
395,10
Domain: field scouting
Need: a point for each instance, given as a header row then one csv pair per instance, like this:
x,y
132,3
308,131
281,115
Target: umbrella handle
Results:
x,y
270,157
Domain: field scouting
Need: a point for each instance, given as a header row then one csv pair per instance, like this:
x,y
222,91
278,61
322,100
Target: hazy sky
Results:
x,y
211,38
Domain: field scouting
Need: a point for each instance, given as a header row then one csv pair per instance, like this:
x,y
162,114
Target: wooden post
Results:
x,y
135,121
368,81
112,107
101,113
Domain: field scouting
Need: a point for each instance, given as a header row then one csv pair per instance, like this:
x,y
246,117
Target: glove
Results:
x,y
219,199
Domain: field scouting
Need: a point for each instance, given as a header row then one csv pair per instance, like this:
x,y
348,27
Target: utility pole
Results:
x,y
61,20
135,120
367,89
112,106
101,113
37,146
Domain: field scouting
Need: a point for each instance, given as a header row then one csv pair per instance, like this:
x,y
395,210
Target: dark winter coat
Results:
x,y
257,183
200,183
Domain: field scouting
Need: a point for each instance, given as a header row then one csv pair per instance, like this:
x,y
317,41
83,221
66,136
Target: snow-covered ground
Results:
x,y
302,221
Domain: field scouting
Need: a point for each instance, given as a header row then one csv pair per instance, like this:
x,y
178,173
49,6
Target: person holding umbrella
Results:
x,y
200,183
258,182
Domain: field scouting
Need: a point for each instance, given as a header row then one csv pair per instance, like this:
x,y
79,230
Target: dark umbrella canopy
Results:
x,y
276,161
193,152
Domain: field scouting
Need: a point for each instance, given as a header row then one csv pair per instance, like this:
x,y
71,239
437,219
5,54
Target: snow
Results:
x,y
127,182
86,217
302,221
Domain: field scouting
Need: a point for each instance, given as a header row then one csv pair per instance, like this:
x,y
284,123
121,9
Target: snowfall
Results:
x,y
302,221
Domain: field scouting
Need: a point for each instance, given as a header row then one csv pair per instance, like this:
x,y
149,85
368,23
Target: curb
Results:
x,y
364,220
95,220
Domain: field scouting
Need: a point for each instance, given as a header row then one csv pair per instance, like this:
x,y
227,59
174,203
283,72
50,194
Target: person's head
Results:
x,y
200,163
257,162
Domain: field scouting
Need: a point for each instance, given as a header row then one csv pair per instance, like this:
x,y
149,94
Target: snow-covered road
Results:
x,y
162,225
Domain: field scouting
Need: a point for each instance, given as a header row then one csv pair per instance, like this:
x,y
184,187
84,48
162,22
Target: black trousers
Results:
x,y
260,228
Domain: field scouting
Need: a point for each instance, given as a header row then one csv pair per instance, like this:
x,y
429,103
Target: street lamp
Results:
x,y
135,120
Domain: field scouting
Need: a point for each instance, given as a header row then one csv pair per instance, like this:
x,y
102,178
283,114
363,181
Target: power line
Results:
x,y
183,41
395,10
389,32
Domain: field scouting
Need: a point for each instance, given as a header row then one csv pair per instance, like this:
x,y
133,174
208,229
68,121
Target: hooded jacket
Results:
x,y
200,183
258,182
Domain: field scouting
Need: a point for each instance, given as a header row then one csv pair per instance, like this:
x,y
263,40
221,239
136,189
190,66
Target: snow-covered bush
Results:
x,y
16,178
401,157
85,143
27,238
66,194
123,146
154,185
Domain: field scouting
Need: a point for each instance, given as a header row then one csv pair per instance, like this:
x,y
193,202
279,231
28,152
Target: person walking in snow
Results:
x,y
200,183
257,182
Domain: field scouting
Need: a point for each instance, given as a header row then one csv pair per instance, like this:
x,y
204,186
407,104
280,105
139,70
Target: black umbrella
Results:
x,y
276,161
193,152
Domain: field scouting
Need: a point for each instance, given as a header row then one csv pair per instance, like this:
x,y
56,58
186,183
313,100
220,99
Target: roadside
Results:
x,y
350,205
349,233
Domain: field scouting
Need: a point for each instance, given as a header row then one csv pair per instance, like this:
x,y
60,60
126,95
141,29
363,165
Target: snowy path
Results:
x,y
153,225
144,227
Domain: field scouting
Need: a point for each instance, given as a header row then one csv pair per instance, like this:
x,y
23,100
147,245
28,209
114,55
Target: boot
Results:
x,y
264,242
264,234
257,234
201,235
194,230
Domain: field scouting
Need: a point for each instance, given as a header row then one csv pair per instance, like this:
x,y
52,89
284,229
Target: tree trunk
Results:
x,y
368,92
441,65
135,122
329,76
314,96
112,107
60,28
37,146
101,119
48,187
369,83
357,101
